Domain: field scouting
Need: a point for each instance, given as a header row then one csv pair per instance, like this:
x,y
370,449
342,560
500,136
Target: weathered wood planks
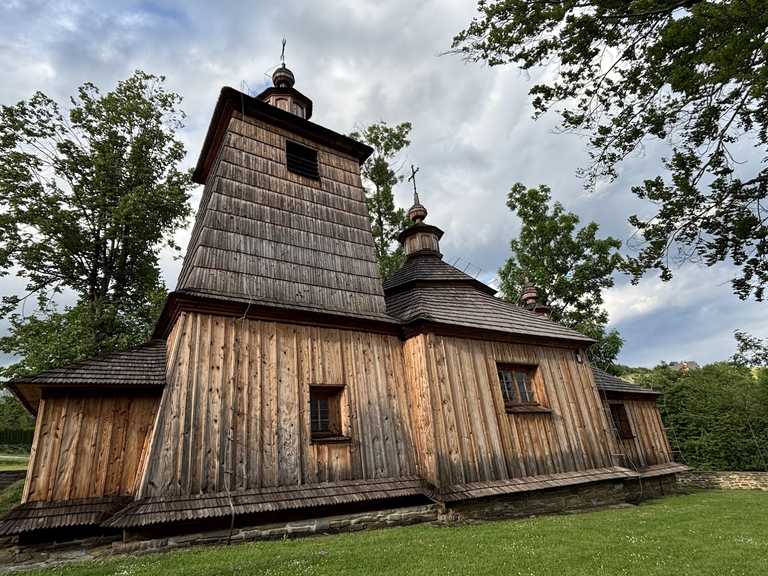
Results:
x,y
247,421
89,446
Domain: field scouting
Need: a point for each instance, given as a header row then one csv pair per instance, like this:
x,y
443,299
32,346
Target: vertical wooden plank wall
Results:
x,y
235,413
466,436
650,437
89,447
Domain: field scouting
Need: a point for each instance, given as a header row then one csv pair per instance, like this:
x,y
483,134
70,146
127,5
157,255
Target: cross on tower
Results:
x,y
282,54
413,177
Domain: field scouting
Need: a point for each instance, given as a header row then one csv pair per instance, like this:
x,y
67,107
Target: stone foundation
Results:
x,y
560,500
581,497
724,480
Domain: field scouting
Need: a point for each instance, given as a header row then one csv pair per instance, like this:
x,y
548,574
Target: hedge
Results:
x,y
17,436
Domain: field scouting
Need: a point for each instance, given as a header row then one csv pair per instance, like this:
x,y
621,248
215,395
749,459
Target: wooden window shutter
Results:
x,y
301,160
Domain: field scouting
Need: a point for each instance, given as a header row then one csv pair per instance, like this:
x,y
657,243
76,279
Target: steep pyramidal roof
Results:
x,y
271,235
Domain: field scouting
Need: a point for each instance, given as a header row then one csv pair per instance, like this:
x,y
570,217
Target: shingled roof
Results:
x,y
428,289
161,509
608,383
43,515
143,365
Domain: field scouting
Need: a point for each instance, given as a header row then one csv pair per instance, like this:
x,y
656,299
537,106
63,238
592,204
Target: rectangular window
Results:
x,y
325,413
301,160
518,389
621,421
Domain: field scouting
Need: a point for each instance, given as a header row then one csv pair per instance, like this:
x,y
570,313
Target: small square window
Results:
x,y
621,421
325,413
518,389
301,160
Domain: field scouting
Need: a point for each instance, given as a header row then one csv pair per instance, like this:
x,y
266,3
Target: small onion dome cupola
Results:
x,y
284,96
420,239
530,296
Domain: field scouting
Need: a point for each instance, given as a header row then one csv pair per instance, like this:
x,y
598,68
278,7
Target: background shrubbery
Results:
x,y
716,417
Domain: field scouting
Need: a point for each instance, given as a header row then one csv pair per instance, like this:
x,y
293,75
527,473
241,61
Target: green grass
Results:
x,y
13,462
14,457
703,533
11,496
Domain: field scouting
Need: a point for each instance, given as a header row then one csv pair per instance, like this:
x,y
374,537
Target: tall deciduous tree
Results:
x,y
691,72
750,351
380,176
570,267
89,195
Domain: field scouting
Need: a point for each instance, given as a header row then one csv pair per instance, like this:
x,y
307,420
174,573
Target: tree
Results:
x,y
570,267
387,221
716,417
691,72
88,198
750,351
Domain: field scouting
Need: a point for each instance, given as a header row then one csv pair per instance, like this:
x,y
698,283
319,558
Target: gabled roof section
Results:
x,y
143,365
608,383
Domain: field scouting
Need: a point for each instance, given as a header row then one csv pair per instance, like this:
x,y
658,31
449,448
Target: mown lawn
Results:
x,y
705,532
13,462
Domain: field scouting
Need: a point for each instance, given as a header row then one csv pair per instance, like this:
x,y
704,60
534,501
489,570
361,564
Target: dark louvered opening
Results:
x,y
301,160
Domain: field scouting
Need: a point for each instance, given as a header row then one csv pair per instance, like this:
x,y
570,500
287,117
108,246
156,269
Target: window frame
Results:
x,y
297,161
533,403
332,394
621,421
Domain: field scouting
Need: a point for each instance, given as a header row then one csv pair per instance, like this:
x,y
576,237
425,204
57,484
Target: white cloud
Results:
x,y
472,137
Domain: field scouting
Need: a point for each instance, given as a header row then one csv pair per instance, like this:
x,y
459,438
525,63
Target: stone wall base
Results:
x,y
724,480
554,501
560,500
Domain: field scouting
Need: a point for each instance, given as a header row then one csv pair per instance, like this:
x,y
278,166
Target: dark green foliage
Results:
x,y
387,221
717,416
606,349
750,351
570,268
11,496
693,73
12,413
87,200
17,436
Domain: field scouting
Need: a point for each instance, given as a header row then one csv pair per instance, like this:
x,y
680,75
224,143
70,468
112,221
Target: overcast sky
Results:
x,y
361,61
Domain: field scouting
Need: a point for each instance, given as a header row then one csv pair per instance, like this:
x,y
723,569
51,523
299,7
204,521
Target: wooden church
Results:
x,y
284,380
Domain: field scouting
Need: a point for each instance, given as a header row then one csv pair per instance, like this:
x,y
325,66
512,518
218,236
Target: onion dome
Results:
x,y
284,96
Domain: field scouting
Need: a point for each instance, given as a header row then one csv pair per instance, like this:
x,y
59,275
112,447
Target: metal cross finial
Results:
x,y
282,54
413,177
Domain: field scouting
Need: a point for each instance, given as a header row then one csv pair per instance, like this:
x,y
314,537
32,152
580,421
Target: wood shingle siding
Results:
x,y
156,510
268,235
42,515
137,367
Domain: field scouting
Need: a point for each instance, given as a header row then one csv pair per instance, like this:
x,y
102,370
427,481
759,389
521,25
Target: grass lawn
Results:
x,y
8,462
705,532
11,496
